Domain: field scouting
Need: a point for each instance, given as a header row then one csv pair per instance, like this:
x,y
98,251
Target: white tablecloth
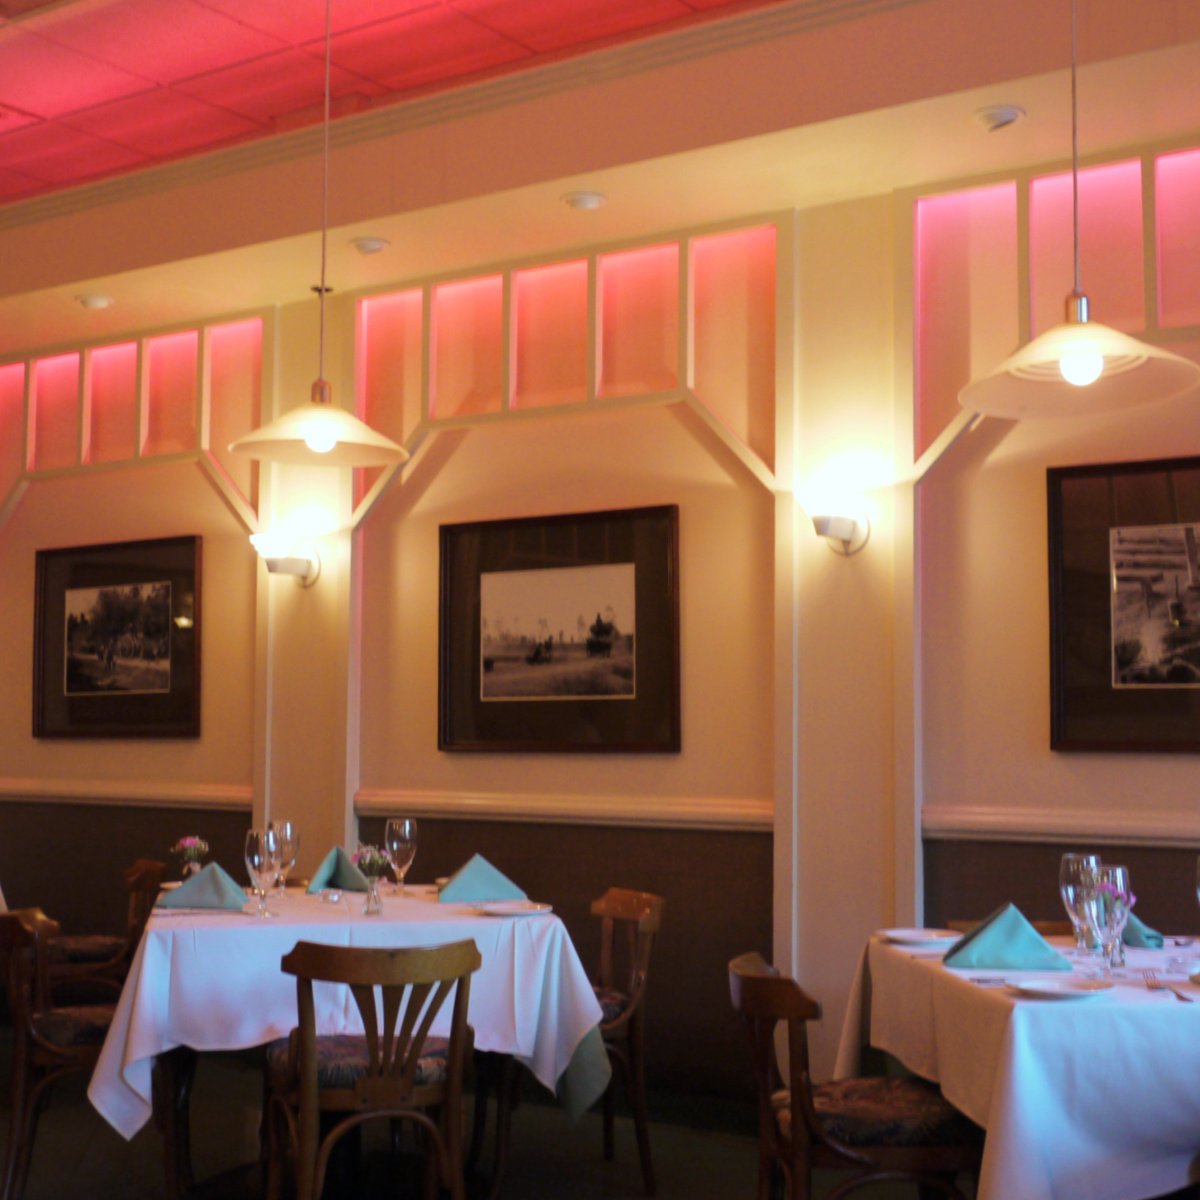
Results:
x,y
212,981
1083,1099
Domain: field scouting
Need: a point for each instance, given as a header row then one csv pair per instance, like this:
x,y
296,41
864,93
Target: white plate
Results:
x,y
920,937
514,908
1060,989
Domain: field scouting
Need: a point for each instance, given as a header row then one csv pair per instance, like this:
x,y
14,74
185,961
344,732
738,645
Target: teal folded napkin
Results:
x,y
337,870
1006,940
478,882
1138,933
210,887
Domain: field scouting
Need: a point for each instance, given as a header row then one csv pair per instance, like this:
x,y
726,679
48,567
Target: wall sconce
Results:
x,y
302,562
845,533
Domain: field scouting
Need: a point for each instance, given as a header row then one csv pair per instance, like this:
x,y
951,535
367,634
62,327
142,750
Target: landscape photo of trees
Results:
x,y
558,633
118,639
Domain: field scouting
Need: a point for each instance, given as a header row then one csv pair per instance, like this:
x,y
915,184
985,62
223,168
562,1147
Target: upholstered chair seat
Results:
x,y
343,1059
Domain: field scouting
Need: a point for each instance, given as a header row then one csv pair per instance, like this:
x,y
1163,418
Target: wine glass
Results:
x,y
289,847
262,862
400,846
1075,872
1107,907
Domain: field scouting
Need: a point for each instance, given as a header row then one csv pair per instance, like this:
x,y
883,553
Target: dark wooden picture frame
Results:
x,y
117,640
635,653
1120,535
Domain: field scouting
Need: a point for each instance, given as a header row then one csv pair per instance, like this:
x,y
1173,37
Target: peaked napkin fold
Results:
x,y
1005,940
478,882
210,887
337,870
1138,933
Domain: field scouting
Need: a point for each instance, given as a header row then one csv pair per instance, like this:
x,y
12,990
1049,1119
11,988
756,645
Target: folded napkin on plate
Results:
x,y
478,882
210,887
337,870
1138,933
1005,940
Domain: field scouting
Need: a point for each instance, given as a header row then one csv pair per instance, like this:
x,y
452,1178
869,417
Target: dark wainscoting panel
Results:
x,y
970,879
717,887
67,859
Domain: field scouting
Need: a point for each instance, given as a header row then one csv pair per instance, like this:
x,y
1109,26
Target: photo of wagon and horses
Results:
x,y
1155,606
118,639
560,633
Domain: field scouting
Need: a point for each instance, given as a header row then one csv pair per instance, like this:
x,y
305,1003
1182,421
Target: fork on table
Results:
x,y
1158,985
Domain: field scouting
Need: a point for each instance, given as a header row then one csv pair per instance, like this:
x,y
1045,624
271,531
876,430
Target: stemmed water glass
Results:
x,y
262,862
1107,905
400,846
1076,872
289,846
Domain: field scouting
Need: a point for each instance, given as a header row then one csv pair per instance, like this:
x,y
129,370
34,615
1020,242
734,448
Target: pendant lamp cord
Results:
x,y
1074,144
324,186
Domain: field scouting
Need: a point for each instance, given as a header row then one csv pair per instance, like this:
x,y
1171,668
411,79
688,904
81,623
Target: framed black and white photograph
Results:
x,y
561,633
1125,606
117,640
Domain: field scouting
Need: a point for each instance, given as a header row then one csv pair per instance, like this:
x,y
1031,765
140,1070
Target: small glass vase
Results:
x,y
373,903
190,868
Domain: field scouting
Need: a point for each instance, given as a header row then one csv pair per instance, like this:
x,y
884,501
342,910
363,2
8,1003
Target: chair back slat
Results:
x,y
625,961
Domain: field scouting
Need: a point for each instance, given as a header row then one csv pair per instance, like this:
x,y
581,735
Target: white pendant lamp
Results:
x,y
320,433
1080,366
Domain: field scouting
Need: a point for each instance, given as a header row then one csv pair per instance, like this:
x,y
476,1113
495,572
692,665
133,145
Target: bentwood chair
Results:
x,y
49,1042
629,923
103,959
394,1071
878,1129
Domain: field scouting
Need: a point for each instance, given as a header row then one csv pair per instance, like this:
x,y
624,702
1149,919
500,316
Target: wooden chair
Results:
x,y
48,1042
395,1071
1047,928
629,922
878,1128
102,959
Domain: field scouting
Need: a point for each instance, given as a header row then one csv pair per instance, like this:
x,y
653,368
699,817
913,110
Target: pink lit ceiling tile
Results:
x,y
299,21
164,42
545,25
47,80
423,48
163,123
59,155
10,119
280,84
14,185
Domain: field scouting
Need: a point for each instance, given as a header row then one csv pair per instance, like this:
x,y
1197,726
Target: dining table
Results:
x,y
210,980
1085,1085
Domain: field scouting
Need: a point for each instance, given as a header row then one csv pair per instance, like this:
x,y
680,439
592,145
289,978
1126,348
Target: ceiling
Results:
x,y
263,80
94,88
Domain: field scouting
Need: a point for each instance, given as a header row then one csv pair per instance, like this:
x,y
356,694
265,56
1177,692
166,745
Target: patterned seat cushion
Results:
x,y
74,1025
882,1112
612,1003
85,948
342,1061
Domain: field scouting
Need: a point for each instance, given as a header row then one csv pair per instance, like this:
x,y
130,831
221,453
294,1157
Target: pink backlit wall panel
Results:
x,y
1110,241
113,404
56,413
1178,190
733,277
171,416
639,321
12,420
390,330
468,347
235,382
550,312
965,309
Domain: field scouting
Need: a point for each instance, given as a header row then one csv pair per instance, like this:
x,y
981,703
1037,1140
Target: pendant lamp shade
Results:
x,y
319,433
1031,382
1078,367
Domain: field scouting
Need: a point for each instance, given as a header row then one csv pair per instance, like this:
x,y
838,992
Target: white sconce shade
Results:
x,y
302,562
844,533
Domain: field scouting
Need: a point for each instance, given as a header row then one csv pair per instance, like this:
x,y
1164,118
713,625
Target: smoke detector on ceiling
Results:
x,y
998,116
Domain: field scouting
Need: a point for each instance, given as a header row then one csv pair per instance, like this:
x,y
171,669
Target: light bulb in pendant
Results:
x,y
1081,364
